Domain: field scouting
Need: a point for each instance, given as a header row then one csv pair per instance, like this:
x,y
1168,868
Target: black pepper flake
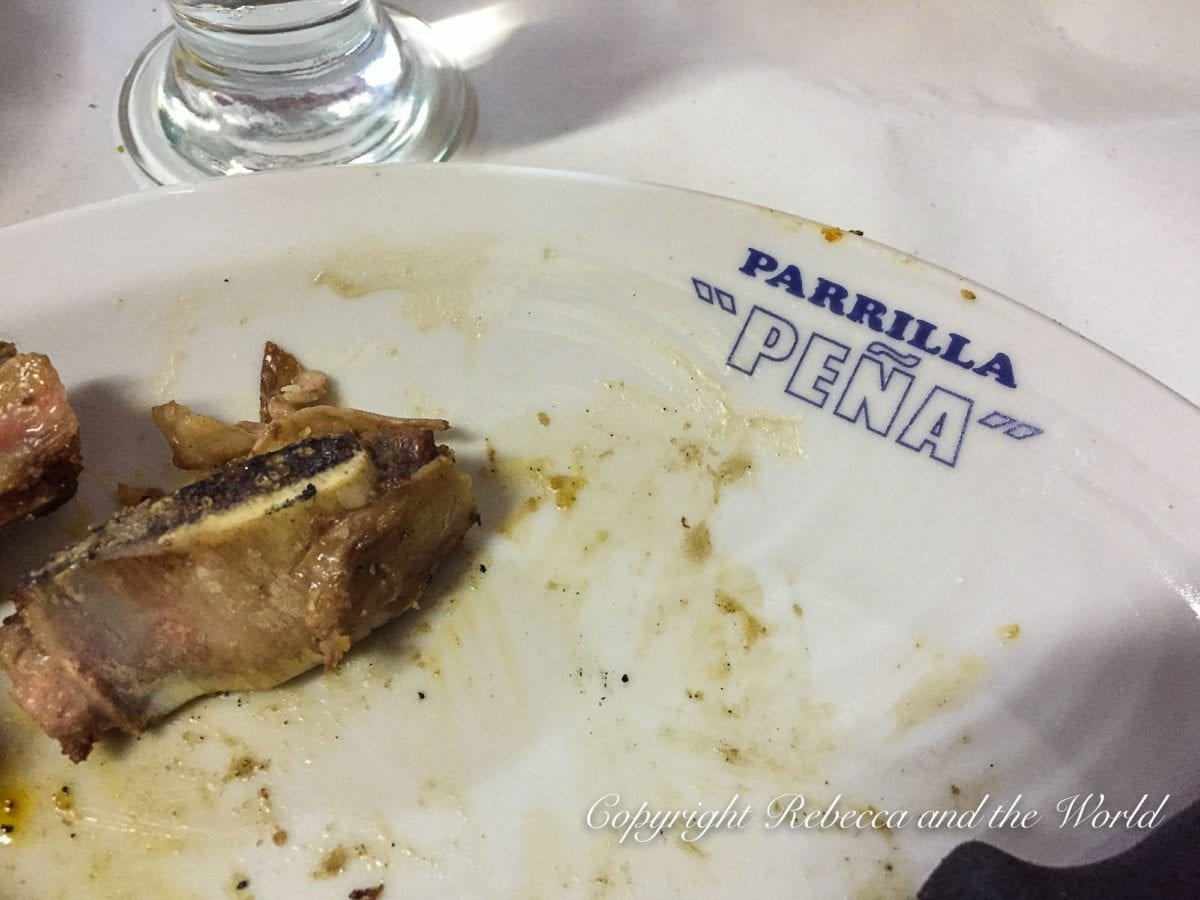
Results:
x,y
625,679
310,491
420,695
6,829
482,568
243,884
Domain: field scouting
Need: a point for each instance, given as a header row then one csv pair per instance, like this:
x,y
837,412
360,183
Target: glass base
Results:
x,y
421,115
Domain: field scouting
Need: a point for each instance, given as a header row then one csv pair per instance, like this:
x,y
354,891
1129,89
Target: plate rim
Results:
x,y
502,171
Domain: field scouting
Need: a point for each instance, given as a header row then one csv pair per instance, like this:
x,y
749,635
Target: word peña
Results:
x,y
870,389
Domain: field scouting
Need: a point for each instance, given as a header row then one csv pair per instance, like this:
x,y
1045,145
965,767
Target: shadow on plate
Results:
x,y
1120,712
129,450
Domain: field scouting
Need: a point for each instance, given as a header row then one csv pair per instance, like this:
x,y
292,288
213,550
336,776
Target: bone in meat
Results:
x,y
241,580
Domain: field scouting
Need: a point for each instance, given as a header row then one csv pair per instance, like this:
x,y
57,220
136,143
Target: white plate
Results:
x,y
735,593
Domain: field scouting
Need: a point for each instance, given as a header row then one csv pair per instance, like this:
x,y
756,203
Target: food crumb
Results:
x,y
332,863
244,766
1009,632
279,838
369,893
697,543
543,418
752,628
63,801
955,790
731,470
832,234
566,489
967,294
599,538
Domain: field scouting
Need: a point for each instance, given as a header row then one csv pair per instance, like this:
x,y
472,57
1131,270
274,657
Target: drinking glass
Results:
x,y
246,85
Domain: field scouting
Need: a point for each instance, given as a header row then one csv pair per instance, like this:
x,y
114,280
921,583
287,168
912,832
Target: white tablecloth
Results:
x,y
1050,150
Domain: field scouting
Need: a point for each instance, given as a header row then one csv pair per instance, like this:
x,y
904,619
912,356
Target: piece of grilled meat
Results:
x,y
272,564
39,437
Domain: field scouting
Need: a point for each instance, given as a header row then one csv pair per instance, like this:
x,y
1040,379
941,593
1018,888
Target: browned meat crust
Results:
x,y
40,456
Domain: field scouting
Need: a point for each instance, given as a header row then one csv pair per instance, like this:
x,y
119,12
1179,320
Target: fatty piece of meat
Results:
x,y
239,581
200,442
39,437
290,409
